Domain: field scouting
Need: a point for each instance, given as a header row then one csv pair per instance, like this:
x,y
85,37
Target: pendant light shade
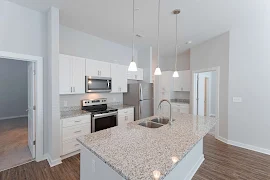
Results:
x,y
175,74
158,71
132,65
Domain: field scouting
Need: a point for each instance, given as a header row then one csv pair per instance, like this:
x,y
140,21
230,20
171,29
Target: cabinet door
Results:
x,y
92,67
119,78
78,75
186,78
105,69
185,110
140,74
65,74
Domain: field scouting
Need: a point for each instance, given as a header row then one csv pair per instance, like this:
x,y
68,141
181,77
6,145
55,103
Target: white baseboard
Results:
x,y
53,162
13,117
245,146
195,168
70,154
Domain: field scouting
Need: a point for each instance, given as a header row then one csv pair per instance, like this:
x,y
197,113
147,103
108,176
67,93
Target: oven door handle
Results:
x,y
97,116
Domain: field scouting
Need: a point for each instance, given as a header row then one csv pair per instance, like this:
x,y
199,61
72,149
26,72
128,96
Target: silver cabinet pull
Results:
x,y
100,73
78,131
70,89
73,89
78,121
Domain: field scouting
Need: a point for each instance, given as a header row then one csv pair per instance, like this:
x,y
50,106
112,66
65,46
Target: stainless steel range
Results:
x,y
102,117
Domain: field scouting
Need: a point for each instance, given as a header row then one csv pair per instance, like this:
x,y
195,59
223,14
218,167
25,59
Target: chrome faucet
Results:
x,y
159,105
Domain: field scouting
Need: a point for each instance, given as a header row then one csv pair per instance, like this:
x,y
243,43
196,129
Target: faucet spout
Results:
x,y
159,105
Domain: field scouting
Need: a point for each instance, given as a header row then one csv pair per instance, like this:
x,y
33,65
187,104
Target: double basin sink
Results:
x,y
155,123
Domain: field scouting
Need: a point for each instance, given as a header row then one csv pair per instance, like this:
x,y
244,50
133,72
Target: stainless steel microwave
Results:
x,y
97,84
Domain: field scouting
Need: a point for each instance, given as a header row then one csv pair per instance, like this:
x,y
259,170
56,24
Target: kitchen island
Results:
x,y
135,152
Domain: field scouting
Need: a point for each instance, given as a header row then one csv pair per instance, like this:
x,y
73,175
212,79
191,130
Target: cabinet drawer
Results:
x,y
76,131
70,146
126,111
74,121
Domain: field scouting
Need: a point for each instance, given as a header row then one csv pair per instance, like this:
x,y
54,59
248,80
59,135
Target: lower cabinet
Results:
x,y
125,116
180,108
73,128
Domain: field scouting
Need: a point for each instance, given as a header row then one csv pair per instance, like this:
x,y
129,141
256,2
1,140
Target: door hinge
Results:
x,y
34,108
34,142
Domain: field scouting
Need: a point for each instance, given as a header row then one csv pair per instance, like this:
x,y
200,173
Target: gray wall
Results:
x,y
213,53
77,43
13,88
145,62
183,62
249,121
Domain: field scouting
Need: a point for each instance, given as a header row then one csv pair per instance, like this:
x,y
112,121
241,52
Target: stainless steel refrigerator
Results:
x,y
141,96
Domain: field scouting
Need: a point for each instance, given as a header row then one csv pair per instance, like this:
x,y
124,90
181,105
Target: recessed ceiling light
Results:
x,y
189,42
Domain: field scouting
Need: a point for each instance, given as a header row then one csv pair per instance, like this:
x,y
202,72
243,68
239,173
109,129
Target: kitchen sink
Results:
x,y
161,120
150,124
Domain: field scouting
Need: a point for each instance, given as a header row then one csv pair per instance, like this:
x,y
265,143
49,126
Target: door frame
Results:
x,y
38,61
194,92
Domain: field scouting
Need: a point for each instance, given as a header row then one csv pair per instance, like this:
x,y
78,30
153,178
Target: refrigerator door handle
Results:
x,y
141,93
140,111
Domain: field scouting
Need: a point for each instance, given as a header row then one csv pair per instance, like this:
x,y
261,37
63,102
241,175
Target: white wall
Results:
x,y
77,43
13,88
249,121
183,62
213,53
213,93
145,61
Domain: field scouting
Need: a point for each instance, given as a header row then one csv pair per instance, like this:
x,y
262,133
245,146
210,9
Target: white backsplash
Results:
x,y
75,100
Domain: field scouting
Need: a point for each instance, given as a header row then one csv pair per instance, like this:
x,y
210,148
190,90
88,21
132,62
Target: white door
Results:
x,y
201,94
31,109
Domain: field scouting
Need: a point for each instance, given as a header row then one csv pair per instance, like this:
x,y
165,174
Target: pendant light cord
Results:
x,y
176,44
133,30
158,31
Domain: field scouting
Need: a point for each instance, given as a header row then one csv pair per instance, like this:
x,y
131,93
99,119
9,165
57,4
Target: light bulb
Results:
x,y
175,74
157,71
132,66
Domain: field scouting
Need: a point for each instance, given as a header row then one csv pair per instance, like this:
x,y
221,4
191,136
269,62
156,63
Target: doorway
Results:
x,y
205,94
17,115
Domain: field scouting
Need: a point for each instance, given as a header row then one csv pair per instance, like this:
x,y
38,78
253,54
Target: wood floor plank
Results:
x,y
222,162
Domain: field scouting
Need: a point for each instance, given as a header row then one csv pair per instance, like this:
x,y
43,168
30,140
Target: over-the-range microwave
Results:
x,y
97,84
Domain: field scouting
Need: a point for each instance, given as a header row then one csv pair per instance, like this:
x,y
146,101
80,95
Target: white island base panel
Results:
x,y
93,168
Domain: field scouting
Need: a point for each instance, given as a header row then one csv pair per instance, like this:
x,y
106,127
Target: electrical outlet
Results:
x,y
237,99
65,103
93,165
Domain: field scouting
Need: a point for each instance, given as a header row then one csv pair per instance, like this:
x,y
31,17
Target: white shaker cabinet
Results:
x,y
125,116
97,68
135,75
119,78
183,82
71,75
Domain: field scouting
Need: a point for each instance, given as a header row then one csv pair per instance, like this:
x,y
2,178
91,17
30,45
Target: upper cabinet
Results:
x,y
135,75
119,78
71,75
97,68
183,82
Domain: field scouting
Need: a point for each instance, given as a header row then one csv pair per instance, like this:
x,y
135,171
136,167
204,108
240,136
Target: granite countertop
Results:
x,y
135,151
72,112
120,106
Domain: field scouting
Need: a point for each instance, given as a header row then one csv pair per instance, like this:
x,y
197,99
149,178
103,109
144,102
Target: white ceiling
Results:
x,y
199,20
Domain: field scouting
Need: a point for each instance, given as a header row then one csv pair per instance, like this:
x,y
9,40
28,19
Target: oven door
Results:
x,y
97,84
104,121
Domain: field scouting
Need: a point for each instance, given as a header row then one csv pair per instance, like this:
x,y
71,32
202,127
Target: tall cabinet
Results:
x,y
119,78
71,74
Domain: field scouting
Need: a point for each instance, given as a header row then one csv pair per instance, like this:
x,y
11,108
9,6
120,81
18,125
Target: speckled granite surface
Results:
x,y
120,106
74,111
135,152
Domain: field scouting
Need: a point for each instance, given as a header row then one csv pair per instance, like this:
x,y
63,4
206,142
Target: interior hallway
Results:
x,y
14,143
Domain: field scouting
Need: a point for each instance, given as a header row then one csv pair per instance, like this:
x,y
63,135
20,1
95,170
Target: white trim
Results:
x,y
195,168
249,147
70,154
13,117
194,90
245,146
53,162
39,96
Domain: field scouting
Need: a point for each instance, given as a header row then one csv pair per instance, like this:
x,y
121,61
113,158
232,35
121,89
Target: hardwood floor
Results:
x,y
222,162
14,143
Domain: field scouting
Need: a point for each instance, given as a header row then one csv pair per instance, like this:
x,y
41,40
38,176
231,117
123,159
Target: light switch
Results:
x,y
237,99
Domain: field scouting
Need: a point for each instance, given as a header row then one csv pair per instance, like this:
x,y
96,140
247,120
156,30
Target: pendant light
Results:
x,y
132,65
175,74
158,71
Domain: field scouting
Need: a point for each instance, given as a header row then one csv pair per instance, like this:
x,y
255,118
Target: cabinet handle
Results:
x,y
78,121
78,131
100,73
70,89
74,89
135,76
